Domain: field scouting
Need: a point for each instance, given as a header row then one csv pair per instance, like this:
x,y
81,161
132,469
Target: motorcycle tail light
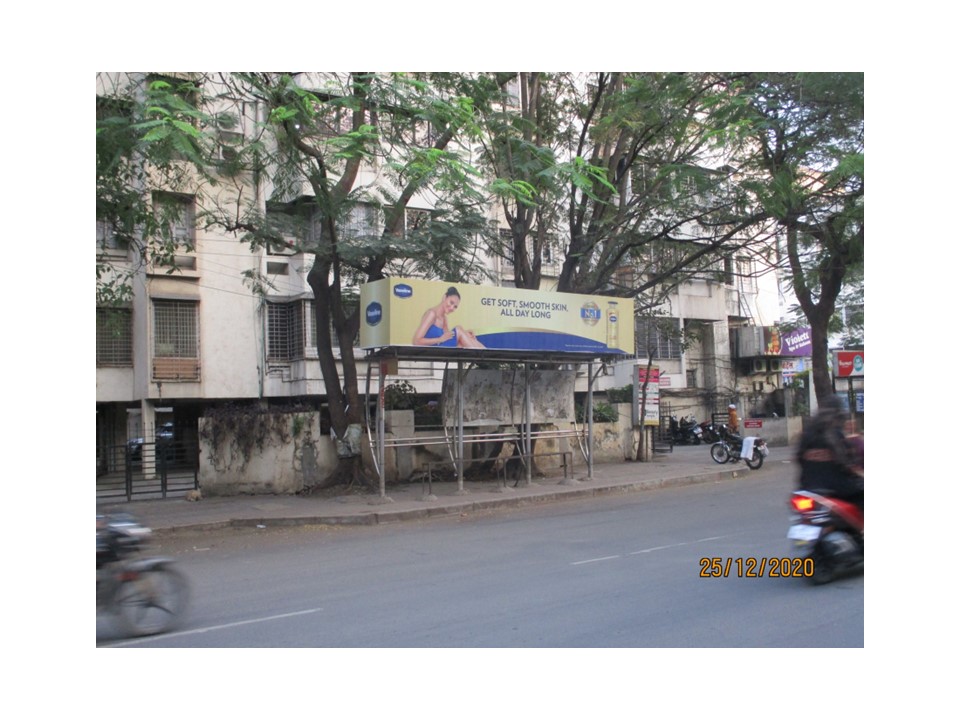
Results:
x,y
801,503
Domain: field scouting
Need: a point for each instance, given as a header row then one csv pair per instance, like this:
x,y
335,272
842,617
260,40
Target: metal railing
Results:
x,y
147,470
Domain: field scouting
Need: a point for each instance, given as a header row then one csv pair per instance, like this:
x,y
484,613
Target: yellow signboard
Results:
x,y
400,312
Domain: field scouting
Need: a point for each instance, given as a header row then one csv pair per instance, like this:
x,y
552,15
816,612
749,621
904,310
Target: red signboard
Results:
x,y
753,423
849,363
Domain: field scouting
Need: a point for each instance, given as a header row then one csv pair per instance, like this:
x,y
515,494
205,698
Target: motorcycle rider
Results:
x,y
828,461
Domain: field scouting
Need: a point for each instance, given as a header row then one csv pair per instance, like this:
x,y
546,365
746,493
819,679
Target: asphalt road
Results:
x,y
624,571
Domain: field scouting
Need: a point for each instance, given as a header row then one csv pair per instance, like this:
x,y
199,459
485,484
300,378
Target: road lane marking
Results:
x,y
593,560
212,628
656,548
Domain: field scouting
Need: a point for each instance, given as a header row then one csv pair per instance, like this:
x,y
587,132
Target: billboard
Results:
x,y
401,312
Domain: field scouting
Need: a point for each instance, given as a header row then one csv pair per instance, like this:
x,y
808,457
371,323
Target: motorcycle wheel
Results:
x,y
823,569
154,602
756,461
719,453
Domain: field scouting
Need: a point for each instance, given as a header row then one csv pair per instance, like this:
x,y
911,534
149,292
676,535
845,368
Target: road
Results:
x,y
623,571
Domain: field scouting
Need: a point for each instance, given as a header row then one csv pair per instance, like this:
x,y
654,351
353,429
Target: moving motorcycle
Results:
x,y
685,432
828,533
146,595
731,448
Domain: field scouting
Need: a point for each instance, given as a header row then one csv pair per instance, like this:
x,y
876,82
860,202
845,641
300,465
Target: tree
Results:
x,y
148,137
329,165
808,134
621,169
341,159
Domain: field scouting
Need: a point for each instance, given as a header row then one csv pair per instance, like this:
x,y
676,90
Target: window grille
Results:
x,y
114,337
285,331
655,340
176,351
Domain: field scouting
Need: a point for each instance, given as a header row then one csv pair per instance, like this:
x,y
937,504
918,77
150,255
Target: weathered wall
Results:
x,y
498,395
293,454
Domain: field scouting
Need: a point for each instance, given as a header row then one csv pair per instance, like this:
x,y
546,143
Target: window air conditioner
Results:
x,y
758,365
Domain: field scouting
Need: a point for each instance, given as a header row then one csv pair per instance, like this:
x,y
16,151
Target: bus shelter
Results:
x,y
466,325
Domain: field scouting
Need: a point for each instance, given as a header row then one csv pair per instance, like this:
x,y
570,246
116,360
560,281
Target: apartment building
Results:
x,y
222,323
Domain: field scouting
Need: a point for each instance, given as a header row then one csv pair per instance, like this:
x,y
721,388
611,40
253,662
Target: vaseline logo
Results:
x,y
402,291
590,313
374,313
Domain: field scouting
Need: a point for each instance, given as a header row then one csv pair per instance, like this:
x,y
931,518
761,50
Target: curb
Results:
x,y
425,513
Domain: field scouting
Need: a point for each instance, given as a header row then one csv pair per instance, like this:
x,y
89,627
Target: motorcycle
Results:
x,y
731,448
685,432
828,533
146,595
708,432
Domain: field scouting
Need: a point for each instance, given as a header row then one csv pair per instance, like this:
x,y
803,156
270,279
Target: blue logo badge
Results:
x,y
402,291
374,313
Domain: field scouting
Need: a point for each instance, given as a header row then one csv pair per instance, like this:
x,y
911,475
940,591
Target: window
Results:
x,y
665,255
332,118
511,91
229,145
176,340
177,214
625,277
417,222
182,86
748,281
547,253
114,337
290,228
106,236
399,128
285,331
360,222
659,338
506,240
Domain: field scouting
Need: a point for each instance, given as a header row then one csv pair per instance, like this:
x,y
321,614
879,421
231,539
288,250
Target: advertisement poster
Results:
x,y
787,343
651,415
849,363
400,312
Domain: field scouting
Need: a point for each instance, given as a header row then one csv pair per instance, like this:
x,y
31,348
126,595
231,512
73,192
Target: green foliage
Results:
x,y
808,176
620,395
602,412
400,395
148,136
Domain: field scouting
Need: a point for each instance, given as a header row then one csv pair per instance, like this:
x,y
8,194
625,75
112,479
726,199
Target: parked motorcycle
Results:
x,y
685,432
730,448
146,595
708,432
828,533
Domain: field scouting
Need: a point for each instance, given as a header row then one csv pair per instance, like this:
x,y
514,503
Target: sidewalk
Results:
x,y
685,465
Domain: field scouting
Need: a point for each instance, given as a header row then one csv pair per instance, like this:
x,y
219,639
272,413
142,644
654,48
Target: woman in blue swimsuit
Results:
x,y
434,331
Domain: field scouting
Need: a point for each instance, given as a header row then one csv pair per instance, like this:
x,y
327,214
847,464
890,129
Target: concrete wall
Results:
x,y
293,455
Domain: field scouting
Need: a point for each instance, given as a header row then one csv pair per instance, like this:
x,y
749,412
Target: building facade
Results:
x,y
218,323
